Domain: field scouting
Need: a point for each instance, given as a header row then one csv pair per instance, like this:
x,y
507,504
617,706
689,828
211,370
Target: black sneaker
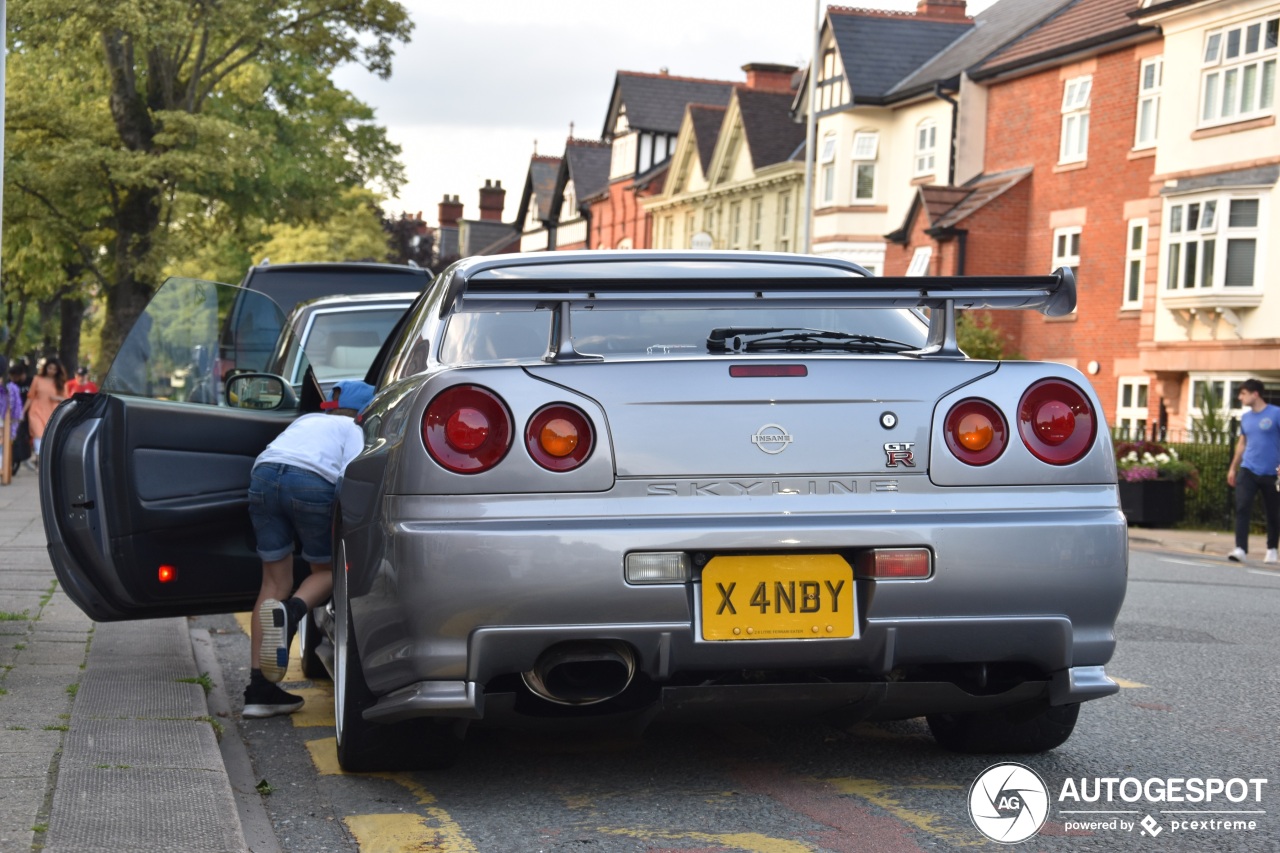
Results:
x,y
265,699
277,635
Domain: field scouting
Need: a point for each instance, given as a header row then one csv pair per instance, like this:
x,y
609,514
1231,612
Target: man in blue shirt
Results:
x,y
1253,469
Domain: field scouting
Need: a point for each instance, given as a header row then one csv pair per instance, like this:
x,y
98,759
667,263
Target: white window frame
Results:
x,y
866,150
755,225
735,225
1131,419
1200,241
1073,146
1238,72
926,148
827,170
784,221
920,261
1135,263
1146,126
1066,247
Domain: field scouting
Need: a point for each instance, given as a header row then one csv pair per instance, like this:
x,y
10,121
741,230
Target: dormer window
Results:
x,y
926,147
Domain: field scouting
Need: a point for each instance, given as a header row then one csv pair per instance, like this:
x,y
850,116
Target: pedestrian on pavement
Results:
x,y
1253,469
10,404
291,495
81,384
18,375
48,389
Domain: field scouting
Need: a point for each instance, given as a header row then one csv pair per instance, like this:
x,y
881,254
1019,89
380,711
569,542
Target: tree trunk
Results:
x,y
17,326
72,310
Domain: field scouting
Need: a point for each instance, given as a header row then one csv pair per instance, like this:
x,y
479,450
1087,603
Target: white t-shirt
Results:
x,y
317,442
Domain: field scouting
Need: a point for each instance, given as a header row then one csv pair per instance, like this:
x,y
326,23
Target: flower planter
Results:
x,y
1153,503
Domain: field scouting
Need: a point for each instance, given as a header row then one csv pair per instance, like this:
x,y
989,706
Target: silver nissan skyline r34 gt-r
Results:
x,y
604,485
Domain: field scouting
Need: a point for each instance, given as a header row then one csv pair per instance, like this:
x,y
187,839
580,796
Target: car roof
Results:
x,y
357,299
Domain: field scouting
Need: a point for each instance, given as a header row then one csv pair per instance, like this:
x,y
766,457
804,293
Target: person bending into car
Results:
x,y
291,495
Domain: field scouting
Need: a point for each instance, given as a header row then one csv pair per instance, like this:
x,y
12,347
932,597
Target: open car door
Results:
x,y
144,486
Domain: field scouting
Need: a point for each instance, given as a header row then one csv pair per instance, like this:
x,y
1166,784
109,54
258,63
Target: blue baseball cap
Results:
x,y
352,394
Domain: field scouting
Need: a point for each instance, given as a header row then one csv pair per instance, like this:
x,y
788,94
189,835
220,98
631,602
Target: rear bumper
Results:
x,y
443,606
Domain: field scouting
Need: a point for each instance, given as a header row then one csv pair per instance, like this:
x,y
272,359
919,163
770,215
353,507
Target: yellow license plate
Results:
x,y
785,597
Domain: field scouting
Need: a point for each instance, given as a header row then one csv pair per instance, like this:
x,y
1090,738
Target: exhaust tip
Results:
x,y
582,672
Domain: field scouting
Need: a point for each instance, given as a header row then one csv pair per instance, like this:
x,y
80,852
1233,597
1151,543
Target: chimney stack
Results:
x,y
450,211
941,10
492,197
768,77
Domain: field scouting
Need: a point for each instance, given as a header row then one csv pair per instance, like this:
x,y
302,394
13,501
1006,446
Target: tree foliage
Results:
x,y
979,338
140,132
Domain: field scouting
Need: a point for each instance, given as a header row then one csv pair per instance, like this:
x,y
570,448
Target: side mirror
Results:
x,y
264,391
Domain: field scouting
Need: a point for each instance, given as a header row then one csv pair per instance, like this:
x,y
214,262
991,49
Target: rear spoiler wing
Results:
x,y
489,289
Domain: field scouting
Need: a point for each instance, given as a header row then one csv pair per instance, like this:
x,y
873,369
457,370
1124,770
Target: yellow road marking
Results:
x,y
879,794
405,833
751,842
319,708
397,832
1126,683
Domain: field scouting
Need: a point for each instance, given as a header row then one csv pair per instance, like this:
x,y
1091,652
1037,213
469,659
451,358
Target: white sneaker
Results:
x,y
1236,555
1272,556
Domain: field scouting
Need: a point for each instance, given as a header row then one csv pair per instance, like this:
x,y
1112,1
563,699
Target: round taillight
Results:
x,y
559,437
976,432
467,429
1056,422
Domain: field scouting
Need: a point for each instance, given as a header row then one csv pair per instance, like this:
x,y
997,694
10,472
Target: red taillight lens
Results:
x,y
896,564
559,437
165,574
467,429
1056,422
976,432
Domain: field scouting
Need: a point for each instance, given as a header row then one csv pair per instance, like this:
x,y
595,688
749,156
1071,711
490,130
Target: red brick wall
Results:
x,y
620,216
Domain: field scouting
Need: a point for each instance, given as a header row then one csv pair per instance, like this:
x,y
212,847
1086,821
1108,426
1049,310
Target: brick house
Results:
x,y
1066,182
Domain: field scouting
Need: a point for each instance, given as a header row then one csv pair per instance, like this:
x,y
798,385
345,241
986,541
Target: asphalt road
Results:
x,y
1198,645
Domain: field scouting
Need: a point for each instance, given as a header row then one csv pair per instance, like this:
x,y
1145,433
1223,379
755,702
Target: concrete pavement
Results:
x,y
106,737
108,740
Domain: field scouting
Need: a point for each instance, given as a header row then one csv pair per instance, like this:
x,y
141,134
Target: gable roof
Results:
x,y
993,28
539,184
657,102
880,49
772,135
945,207
586,163
706,130
1076,26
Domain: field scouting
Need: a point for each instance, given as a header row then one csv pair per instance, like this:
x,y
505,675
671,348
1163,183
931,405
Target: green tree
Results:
x,y
979,337
353,233
140,131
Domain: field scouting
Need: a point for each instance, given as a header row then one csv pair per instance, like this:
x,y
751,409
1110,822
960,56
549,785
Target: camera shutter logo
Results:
x,y
1008,803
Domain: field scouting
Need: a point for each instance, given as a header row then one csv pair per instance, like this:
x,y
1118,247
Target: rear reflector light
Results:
x,y
559,437
898,564
166,573
748,370
1056,422
976,432
467,429
658,567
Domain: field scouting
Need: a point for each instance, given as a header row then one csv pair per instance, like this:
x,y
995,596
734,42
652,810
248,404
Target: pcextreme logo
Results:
x,y
1010,803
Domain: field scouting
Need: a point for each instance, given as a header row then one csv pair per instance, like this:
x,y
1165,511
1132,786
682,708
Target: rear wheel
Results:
x,y
309,636
365,746
1036,728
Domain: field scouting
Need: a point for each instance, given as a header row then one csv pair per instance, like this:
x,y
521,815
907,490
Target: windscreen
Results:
x,y
656,332
343,343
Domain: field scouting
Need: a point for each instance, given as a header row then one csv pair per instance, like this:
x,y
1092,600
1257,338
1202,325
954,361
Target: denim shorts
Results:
x,y
286,502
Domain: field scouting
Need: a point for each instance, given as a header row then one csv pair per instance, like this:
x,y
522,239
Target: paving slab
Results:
x,y
159,744
53,653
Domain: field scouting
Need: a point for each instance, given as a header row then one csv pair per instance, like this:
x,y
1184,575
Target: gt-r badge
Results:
x,y
771,438
899,453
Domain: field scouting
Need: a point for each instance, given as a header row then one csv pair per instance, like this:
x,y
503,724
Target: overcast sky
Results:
x,y
481,81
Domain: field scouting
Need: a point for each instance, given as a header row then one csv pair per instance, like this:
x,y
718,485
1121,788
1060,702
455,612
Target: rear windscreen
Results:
x,y
288,288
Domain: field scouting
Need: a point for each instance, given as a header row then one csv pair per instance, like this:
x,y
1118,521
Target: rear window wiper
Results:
x,y
754,339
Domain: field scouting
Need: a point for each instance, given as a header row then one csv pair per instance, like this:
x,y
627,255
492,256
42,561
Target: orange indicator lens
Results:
x,y
975,431
558,437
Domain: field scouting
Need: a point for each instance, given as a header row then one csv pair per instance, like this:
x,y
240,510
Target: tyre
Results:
x,y
1037,728
309,637
364,746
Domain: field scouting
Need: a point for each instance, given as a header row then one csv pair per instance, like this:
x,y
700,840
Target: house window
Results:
x,y
1205,249
1238,75
1150,77
784,222
688,229
1131,412
1135,263
735,225
1074,147
1214,394
926,147
866,146
624,243
827,177
669,232
757,214
1066,249
920,261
